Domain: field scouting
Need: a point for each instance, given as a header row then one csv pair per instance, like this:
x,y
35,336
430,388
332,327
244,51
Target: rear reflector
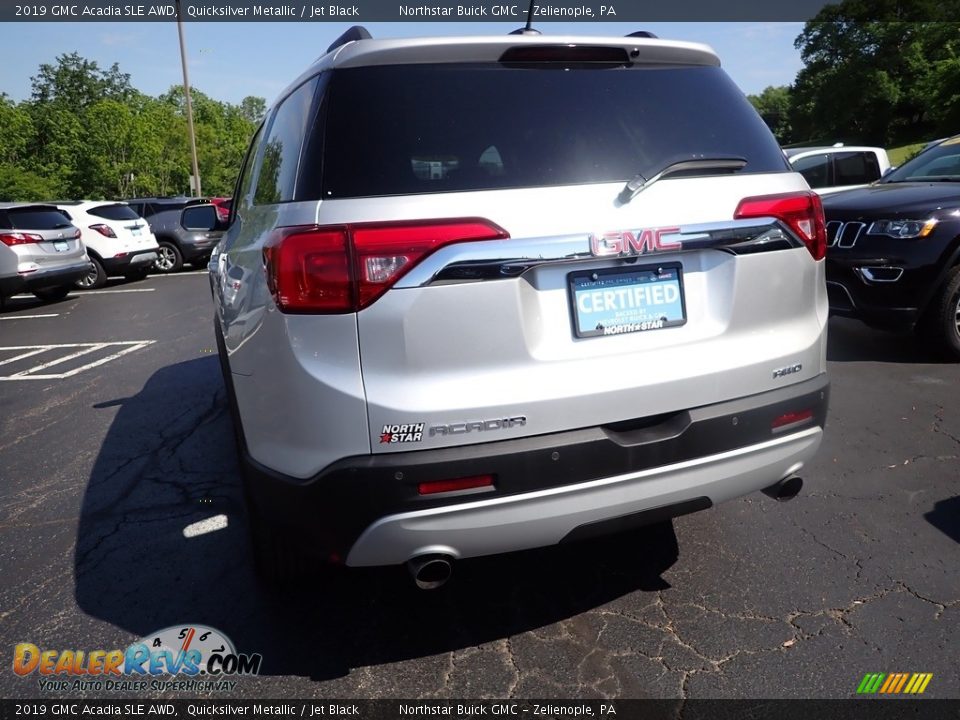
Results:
x,y
791,418
345,268
801,211
19,238
467,483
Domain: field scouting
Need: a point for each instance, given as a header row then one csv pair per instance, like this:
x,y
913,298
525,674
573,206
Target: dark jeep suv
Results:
x,y
187,229
893,257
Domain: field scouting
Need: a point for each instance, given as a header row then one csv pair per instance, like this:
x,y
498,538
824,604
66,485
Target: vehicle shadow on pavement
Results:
x,y
945,517
852,341
168,462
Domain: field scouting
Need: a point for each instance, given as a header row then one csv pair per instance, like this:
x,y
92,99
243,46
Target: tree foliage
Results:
x,y
879,71
87,132
773,105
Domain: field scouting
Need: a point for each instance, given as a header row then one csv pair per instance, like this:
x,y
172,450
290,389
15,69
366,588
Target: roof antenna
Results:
x,y
528,28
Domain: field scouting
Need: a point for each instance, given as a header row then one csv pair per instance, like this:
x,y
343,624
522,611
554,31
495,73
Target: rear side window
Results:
x,y
36,219
114,212
815,170
855,168
281,152
439,128
200,217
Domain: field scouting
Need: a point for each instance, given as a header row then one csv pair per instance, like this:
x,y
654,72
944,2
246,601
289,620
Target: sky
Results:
x,y
229,61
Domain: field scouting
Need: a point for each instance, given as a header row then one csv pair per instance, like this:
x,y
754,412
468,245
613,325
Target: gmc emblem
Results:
x,y
633,242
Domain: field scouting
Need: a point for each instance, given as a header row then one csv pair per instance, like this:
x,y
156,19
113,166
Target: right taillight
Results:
x,y
19,238
801,211
345,268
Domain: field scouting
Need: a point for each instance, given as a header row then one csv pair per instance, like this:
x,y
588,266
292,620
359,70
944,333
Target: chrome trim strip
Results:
x,y
866,274
510,258
853,305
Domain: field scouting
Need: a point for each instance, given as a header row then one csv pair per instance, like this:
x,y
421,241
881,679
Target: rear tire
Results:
x,y
52,294
169,258
940,325
96,278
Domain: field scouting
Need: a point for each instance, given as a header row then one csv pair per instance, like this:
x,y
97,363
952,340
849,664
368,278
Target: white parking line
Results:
x,y
29,317
111,292
33,373
180,274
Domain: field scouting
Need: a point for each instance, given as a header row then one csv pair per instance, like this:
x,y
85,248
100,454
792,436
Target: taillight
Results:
x,y
801,211
104,230
345,268
19,238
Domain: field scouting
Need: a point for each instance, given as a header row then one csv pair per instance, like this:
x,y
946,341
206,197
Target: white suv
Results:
x,y
493,293
118,241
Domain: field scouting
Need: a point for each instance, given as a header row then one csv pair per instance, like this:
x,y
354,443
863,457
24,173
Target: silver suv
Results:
x,y
486,294
40,251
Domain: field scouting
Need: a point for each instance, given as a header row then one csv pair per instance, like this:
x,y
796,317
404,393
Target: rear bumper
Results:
x,y
547,488
132,261
59,277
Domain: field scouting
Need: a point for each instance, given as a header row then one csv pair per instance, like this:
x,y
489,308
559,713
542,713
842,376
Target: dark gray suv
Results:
x,y
187,229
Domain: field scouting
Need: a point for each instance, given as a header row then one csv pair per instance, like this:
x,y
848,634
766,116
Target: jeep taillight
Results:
x,y
345,268
801,211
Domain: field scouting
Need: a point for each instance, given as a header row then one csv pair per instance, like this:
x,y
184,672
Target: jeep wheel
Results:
x,y
169,259
941,323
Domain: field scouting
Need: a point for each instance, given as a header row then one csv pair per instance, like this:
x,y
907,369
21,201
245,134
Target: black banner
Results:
x,y
361,11
872,709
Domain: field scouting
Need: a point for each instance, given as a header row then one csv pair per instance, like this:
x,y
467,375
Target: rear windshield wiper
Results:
x,y
693,166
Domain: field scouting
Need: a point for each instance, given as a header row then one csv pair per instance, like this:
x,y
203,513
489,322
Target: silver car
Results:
x,y
40,251
485,294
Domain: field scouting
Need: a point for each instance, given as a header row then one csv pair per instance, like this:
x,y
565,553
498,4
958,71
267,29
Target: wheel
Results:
x,y
96,278
169,259
940,324
138,274
52,294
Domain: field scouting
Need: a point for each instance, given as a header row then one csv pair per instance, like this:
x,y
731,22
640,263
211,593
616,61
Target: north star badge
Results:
x,y
411,432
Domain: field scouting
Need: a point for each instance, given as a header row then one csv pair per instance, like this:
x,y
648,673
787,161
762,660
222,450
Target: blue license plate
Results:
x,y
618,301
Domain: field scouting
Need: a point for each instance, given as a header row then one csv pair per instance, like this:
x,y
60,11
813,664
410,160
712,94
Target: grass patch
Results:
x,y
899,155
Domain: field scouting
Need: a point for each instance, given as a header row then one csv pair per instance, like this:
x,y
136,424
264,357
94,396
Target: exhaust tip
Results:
x,y
430,572
786,489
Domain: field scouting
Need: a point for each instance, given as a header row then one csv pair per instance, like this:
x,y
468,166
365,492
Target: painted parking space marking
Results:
x,y
73,351
29,317
93,292
180,274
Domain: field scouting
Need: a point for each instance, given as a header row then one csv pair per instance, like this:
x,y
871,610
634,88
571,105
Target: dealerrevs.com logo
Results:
x,y
190,658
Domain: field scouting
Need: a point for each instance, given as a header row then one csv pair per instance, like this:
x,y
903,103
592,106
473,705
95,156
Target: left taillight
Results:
x,y
19,238
345,268
801,211
104,230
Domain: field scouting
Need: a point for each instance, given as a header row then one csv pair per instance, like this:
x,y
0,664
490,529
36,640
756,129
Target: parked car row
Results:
x,y
50,248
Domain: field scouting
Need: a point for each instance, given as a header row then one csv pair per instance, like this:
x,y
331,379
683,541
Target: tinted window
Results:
x,y
200,217
941,161
36,219
435,128
114,212
281,152
815,169
855,168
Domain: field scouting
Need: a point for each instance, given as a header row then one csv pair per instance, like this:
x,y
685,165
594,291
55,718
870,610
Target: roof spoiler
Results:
x,y
642,34
357,32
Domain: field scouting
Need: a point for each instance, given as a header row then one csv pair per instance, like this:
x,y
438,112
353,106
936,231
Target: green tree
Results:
x,y
773,105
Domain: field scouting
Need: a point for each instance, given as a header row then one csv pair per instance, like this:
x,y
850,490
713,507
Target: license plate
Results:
x,y
61,246
618,301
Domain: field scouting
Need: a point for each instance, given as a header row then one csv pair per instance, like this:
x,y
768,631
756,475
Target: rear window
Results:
x,y
442,128
33,219
114,212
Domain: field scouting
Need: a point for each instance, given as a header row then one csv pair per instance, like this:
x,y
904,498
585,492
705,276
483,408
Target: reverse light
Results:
x,y
345,268
903,228
801,211
104,230
19,238
468,483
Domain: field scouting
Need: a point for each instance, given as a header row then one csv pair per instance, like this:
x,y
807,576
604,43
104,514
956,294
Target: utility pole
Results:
x,y
186,93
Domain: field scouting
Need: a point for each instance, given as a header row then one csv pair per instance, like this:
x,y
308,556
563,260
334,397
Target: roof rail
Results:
x,y
642,34
357,32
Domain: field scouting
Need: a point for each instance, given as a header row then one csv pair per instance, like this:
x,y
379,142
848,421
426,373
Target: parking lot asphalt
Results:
x,y
107,455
